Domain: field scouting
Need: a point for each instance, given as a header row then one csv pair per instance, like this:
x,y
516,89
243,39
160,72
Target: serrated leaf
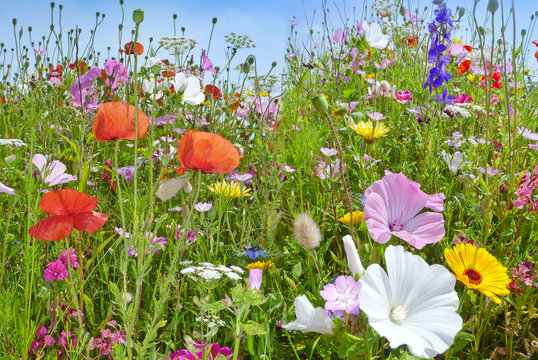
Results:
x,y
253,328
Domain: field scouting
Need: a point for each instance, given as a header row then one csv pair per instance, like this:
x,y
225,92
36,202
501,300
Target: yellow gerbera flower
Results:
x,y
229,190
478,269
367,130
264,265
356,218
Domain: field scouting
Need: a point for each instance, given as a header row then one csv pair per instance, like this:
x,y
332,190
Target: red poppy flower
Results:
x,y
56,72
69,209
213,91
116,120
129,48
209,152
82,67
468,48
4,100
464,66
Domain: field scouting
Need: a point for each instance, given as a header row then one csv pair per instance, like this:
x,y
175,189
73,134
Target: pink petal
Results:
x,y
426,228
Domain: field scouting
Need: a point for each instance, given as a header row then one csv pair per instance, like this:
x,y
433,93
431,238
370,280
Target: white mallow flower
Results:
x,y
374,36
191,88
148,85
415,304
310,319
353,259
154,61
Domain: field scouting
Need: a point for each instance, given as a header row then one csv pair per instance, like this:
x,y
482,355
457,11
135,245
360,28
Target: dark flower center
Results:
x,y
395,226
474,277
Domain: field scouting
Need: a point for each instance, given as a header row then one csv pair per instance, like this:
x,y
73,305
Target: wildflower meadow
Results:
x,y
370,195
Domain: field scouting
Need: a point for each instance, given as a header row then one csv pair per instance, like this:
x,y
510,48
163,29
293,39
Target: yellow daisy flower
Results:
x,y
264,265
229,190
356,218
368,132
478,269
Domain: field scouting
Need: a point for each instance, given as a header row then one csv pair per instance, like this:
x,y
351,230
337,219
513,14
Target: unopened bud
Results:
x,y
523,32
218,111
245,68
402,10
320,104
138,16
493,5
214,21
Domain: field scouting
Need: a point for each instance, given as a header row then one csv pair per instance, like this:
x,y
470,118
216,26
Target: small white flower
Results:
x,y
188,270
374,36
237,269
191,88
233,275
209,274
453,162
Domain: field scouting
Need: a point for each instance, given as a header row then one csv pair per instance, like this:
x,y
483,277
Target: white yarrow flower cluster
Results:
x,y
211,321
13,142
456,110
208,272
177,43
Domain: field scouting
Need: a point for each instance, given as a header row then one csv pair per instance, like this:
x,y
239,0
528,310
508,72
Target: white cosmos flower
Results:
x,y
353,259
415,304
310,319
191,88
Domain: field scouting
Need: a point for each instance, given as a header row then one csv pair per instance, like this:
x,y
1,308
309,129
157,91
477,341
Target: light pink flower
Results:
x,y
376,116
53,173
392,208
342,295
255,278
207,64
6,189
328,151
202,207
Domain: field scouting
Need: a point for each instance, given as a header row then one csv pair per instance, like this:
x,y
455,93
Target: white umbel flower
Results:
x,y
415,304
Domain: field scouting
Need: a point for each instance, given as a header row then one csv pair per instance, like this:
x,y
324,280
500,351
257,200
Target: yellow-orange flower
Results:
x,y
478,269
356,218
264,265
229,190
368,132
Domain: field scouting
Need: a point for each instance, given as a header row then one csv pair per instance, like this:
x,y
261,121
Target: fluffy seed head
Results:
x,y
169,189
306,231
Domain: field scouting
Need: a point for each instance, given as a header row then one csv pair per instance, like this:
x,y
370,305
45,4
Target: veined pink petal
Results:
x,y
39,161
426,228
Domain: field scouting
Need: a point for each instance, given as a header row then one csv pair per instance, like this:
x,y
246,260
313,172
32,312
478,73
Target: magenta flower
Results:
x,y
41,339
55,271
72,258
53,173
207,64
342,295
392,208
207,352
116,72
402,96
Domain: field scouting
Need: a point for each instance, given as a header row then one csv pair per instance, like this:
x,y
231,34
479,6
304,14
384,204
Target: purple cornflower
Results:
x,y
342,295
56,271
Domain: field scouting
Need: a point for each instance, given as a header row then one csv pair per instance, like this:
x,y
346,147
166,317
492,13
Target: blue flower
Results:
x,y
253,253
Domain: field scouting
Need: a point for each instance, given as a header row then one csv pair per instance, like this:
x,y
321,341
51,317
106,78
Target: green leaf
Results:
x,y
253,328
461,340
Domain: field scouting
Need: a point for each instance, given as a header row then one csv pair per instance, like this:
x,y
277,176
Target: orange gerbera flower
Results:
x,y
209,152
129,48
464,66
69,209
116,120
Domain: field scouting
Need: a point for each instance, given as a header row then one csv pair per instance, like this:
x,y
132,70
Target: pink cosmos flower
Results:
x,y
392,208
402,96
55,271
342,295
53,173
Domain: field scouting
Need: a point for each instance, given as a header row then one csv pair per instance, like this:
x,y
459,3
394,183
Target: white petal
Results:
x,y
39,161
352,255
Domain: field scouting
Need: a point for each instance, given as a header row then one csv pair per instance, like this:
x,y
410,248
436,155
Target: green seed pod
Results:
x,y
523,32
493,5
245,68
218,111
214,21
138,16
402,10
320,104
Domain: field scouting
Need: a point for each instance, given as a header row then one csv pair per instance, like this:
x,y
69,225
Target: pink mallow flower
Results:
x,y
392,208
255,277
207,64
53,173
402,96
342,295
116,72
55,271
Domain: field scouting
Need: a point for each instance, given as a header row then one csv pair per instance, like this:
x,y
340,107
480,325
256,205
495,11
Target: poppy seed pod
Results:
x,y
320,104
493,5
138,16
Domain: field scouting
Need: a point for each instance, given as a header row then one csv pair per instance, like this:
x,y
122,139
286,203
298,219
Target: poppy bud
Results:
x,y
320,104
174,16
214,21
523,32
273,64
156,69
14,21
138,16
402,10
218,111
493,5
245,68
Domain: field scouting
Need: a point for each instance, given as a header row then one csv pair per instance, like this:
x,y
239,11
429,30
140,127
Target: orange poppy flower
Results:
x,y
464,66
69,209
209,152
56,71
129,48
116,120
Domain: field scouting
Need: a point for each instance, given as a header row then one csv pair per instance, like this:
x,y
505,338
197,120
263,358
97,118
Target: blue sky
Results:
x,y
267,23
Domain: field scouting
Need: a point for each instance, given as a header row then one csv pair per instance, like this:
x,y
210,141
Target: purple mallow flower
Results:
x,y
342,295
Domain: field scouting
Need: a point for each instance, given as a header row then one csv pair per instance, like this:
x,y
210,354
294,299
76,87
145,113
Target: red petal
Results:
x,y
116,120
67,202
52,228
209,152
89,221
